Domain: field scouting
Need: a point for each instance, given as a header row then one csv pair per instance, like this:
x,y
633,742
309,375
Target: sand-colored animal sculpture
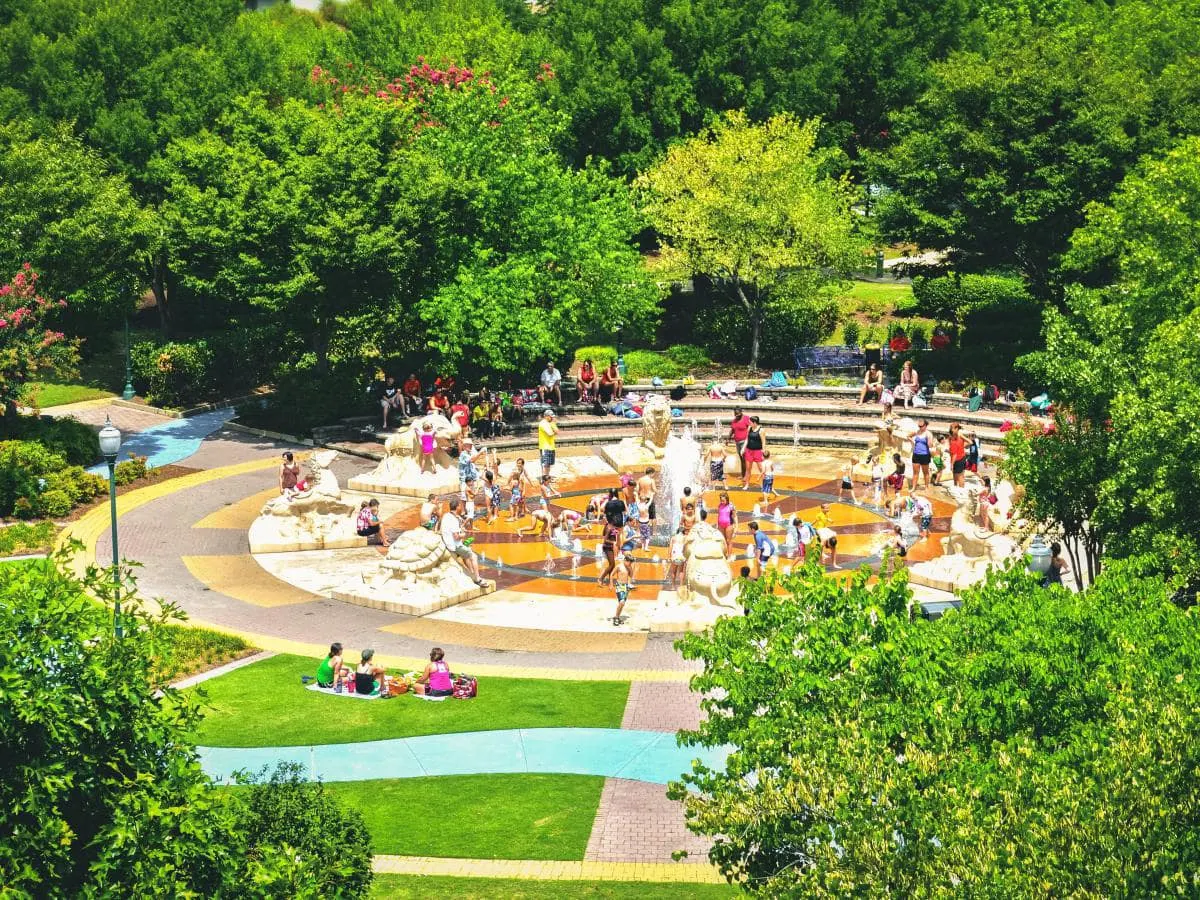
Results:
x,y
406,444
706,570
656,425
968,538
321,497
895,436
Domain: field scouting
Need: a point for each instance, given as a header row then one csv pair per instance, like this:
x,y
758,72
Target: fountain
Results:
x,y
795,434
577,547
680,469
548,568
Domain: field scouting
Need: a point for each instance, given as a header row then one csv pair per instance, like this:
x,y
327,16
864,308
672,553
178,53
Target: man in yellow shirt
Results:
x,y
547,435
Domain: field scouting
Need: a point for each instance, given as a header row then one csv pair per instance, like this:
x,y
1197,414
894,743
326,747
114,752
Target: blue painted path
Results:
x,y
171,441
651,756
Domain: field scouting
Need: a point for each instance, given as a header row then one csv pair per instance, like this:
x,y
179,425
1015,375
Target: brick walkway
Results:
x,y
128,420
636,822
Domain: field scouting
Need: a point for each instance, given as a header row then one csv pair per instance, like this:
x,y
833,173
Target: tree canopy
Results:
x,y
1037,742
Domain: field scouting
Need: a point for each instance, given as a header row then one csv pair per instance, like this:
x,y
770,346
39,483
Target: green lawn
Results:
x,y
479,816
264,704
46,394
412,887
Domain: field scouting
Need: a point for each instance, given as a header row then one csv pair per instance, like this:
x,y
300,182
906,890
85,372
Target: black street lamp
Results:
x,y
110,446
620,359
127,394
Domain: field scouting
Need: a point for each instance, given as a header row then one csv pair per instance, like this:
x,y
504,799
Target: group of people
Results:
x,y
369,678
905,392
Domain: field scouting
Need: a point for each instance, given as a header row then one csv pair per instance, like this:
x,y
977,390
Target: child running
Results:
x,y
847,482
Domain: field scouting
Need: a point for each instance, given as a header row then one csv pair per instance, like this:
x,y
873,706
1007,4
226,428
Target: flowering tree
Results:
x,y
27,347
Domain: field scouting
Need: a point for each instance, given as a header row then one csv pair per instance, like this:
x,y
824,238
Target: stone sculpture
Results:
x,y
400,471
709,591
968,551
416,577
895,436
316,518
656,425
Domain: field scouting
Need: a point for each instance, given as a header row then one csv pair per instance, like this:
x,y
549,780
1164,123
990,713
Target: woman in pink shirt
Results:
x,y
435,680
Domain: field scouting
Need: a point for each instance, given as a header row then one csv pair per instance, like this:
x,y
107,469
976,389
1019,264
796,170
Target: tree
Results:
x,y
78,224
101,792
1035,742
751,205
1120,357
27,347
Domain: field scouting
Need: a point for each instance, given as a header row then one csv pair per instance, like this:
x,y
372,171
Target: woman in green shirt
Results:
x,y
329,672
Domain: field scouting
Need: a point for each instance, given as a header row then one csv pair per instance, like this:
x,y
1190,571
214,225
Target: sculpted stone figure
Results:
x,y
967,537
656,425
706,571
400,472
895,436
317,518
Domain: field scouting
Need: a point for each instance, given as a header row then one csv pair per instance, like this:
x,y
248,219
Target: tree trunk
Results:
x,y
754,310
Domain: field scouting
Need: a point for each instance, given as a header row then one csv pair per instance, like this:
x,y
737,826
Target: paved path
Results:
x,y
644,756
169,442
546,870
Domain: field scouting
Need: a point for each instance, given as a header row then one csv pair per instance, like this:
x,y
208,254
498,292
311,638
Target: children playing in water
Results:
x,y
676,552
491,492
428,446
768,477
518,483
847,482
540,523
622,581
368,524
715,454
727,521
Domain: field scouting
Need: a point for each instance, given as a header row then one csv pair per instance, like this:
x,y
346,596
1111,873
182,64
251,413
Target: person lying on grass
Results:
x,y
435,680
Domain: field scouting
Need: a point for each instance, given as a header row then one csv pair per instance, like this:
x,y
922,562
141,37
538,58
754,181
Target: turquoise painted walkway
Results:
x,y
171,441
614,753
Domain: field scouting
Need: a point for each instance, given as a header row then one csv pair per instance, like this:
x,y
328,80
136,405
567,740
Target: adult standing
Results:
x,y
551,385
390,399
611,384
453,534
958,455
752,455
872,383
739,427
547,437
439,402
587,382
922,453
460,414
412,395
614,509
1058,566
910,384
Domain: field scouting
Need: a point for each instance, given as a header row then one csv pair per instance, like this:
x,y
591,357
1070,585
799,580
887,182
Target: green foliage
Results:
x,y
956,296
182,650
689,357
175,374
305,398
421,887
850,332
54,503
880,754
74,441
36,481
130,470
285,810
102,793
599,354
753,206
727,334
642,365
25,538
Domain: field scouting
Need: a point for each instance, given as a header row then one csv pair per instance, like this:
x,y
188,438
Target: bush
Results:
x,y
54,503
918,335
850,332
174,374
245,358
954,296
78,485
73,440
24,537
643,364
23,465
724,329
599,354
130,470
304,399
688,356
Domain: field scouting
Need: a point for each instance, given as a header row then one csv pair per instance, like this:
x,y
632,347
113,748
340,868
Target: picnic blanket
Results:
x,y
330,691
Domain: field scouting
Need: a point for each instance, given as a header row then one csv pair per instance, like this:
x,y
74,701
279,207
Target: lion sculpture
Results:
x,y
656,425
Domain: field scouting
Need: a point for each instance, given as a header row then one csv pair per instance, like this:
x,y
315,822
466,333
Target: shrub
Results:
x,y
850,332
130,470
304,399
954,296
174,374
23,466
54,503
24,537
918,336
724,329
688,356
76,442
78,485
599,354
245,358
643,364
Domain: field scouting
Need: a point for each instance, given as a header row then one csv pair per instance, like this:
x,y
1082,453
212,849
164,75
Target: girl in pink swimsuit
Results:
x,y
726,520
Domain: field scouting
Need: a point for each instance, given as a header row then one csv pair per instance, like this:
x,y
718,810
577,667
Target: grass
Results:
x,y
47,394
242,714
480,816
25,537
421,887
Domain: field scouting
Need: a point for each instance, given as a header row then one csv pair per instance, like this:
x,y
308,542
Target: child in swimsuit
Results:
x,y
428,445
847,483
677,558
492,492
622,581
516,500
768,477
716,464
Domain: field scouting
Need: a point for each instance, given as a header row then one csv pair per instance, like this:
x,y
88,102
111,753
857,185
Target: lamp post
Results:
x,y
110,445
127,393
